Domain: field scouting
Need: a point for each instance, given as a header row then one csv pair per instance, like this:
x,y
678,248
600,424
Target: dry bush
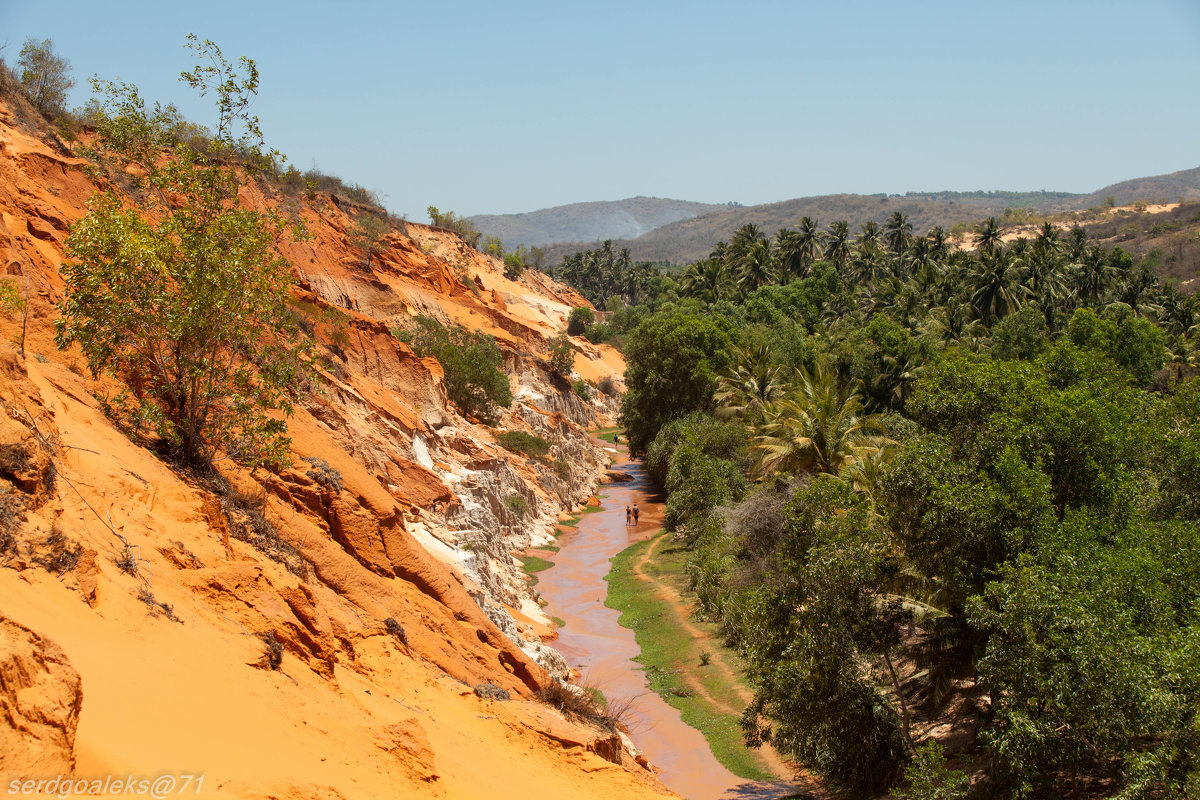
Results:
x,y
245,512
396,629
61,554
325,475
273,650
587,704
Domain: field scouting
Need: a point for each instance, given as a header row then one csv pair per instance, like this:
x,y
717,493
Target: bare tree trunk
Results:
x,y
904,715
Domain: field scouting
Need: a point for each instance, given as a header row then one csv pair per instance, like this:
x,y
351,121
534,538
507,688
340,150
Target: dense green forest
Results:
x,y
943,501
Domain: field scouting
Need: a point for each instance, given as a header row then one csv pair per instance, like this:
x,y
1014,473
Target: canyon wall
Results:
x,y
355,625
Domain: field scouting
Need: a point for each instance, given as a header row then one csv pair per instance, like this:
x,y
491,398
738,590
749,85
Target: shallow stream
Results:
x,y
603,651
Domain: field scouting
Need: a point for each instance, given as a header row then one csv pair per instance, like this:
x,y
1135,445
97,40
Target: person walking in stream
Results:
x,y
628,515
635,515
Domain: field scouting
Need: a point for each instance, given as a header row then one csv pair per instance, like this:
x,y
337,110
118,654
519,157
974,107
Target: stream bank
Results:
x,y
593,642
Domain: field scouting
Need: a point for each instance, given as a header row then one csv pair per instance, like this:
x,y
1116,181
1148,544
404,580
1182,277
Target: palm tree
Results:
x,y
1091,277
898,232
869,261
939,242
987,238
869,234
899,371
749,258
837,243
819,427
810,241
998,289
954,323
755,265
706,280
787,252
751,383
1178,311
1076,244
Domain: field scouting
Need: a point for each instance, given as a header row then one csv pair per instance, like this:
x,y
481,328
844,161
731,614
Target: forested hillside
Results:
x,y
942,500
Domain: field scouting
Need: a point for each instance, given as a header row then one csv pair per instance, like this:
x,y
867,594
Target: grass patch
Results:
x,y
532,564
668,652
607,434
559,622
525,443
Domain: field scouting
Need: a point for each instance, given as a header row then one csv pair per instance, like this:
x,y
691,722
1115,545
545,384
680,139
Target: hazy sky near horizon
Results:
x,y
485,107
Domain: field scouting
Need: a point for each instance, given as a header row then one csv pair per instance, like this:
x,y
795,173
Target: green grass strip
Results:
x,y
668,650
607,434
532,564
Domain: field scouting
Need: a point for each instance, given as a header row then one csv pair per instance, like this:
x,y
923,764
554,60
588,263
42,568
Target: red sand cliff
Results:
x,y
132,615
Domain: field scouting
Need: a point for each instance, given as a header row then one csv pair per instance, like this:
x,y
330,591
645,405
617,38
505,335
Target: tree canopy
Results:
x,y
178,289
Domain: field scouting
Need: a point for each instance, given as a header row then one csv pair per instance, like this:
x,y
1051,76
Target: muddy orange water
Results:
x,y
602,650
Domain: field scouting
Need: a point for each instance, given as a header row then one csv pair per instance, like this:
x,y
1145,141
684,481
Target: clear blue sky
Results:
x,y
490,107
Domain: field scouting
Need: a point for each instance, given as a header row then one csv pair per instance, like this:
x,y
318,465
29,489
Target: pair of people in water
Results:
x,y
631,515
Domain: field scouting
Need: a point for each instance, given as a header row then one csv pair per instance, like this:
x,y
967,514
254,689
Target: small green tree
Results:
x,y
929,778
492,246
174,287
562,354
367,235
514,264
579,320
472,364
451,221
45,75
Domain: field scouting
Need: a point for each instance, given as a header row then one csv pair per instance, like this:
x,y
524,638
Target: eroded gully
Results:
x,y
603,651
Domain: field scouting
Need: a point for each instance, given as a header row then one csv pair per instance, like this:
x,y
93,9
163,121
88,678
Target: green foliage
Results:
x,y
673,359
492,246
45,76
1084,643
582,390
698,483
806,628
1177,453
459,225
1134,343
1029,535
610,280
700,462
522,442
181,292
10,297
514,266
929,778
562,354
368,234
1020,335
472,363
579,320
517,505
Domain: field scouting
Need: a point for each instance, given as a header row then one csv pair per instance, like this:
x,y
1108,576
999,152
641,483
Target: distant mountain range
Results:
x,y
589,222
678,231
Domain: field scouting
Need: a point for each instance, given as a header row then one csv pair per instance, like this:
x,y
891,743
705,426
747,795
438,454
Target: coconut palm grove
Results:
x,y
932,485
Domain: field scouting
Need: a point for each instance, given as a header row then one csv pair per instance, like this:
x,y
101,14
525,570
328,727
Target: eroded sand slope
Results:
x,y
139,608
